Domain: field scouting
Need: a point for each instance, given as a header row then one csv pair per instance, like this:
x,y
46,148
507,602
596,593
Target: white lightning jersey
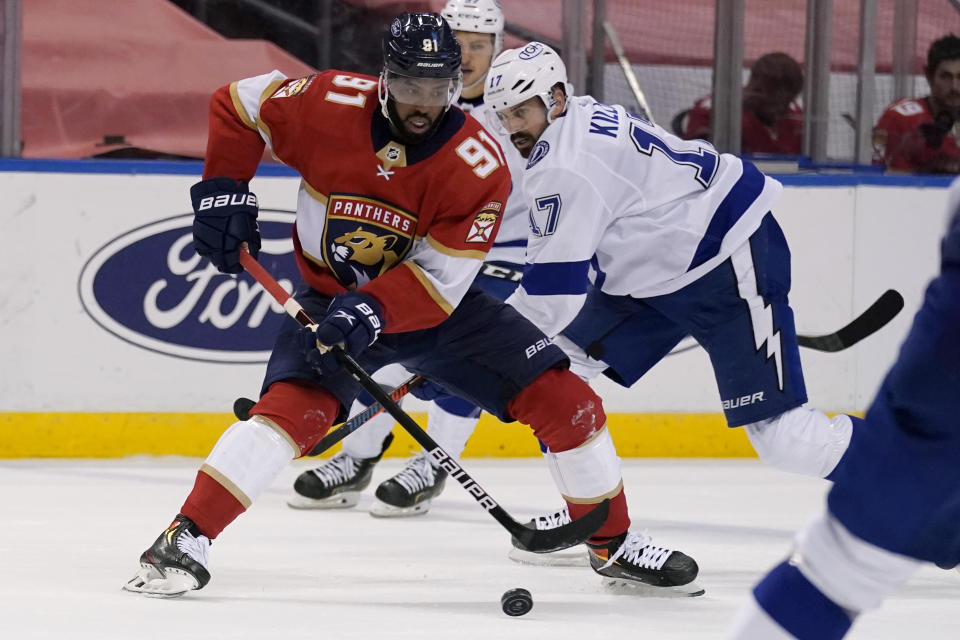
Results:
x,y
649,212
510,244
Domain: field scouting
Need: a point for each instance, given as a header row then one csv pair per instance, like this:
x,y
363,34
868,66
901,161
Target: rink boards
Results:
x,y
117,340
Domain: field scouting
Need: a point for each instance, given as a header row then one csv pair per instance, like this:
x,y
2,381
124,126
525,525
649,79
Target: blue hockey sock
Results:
x,y
799,607
857,428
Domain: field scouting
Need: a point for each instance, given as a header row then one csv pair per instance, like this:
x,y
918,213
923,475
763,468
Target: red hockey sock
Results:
x,y
617,522
211,506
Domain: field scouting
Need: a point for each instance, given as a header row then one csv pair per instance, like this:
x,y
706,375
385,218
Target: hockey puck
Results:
x,y
516,602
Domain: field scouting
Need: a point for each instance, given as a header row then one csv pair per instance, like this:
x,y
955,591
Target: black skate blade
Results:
x,y
574,533
633,588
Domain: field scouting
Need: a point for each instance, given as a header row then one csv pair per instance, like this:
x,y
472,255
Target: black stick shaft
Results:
x,y
533,540
363,417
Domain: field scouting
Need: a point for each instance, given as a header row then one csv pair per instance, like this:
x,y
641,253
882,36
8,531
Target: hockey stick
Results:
x,y
878,315
628,73
242,406
530,539
363,417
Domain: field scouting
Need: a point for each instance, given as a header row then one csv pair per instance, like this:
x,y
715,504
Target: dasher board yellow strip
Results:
x,y
112,435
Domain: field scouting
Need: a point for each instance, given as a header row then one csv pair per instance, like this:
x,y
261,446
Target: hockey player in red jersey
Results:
x,y
400,200
338,482
922,134
772,117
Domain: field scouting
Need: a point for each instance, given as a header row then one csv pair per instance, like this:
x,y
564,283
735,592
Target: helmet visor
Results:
x,y
521,116
422,92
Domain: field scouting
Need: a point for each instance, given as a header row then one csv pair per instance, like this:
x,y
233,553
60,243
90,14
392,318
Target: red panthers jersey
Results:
x,y
755,137
899,140
409,225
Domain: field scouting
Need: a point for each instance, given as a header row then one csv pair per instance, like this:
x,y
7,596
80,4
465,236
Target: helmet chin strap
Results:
x,y
479,81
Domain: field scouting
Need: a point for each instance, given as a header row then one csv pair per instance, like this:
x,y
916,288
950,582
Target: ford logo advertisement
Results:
x,y
148,287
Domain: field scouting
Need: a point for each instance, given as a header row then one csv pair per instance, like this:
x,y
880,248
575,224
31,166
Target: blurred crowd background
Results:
x,y
808,85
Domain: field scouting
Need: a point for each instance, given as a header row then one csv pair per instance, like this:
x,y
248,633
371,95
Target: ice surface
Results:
x,y
71,533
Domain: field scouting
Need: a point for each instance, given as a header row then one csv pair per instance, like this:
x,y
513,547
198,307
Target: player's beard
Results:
x,y
523,142
426,130
405,135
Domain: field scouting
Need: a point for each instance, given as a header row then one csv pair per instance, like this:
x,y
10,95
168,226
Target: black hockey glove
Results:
x,y
934,132
226,217
353,321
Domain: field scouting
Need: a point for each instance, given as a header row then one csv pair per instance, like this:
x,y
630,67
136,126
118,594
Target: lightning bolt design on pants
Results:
x,y
761,314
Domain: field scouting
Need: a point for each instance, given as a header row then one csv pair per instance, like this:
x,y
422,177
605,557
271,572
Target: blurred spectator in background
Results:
x,y
922,134
772,116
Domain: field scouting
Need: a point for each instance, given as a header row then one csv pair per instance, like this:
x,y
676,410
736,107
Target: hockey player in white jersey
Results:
x,y
681,241
478,25
897,501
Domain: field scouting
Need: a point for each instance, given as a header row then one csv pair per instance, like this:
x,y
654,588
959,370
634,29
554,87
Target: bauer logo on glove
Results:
x,y
353,322
225,220
228,199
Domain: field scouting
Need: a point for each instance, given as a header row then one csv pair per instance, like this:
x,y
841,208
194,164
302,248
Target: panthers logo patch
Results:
x,y
483,225
294,88
364,237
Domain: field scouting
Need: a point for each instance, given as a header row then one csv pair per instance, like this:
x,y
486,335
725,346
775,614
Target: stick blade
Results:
x,y
574,533
881,312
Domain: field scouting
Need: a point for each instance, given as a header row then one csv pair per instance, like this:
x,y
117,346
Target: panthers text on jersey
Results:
x,y
408,224
650,212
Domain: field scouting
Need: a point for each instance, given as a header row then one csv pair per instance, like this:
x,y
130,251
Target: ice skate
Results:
x,y
175,563
631,561
575,556
410,492
337,483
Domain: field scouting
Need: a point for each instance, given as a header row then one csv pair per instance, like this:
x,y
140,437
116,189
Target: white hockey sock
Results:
x,y
802,440
449,430
588,473
851,572
248,457
367,441
753,623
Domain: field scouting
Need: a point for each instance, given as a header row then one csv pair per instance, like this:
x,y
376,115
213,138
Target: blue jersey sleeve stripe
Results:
x,y
738,200
511,243
556,278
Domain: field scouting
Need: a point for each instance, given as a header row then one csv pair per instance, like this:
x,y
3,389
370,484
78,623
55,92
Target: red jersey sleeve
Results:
x,y
698,120
251,113
903,140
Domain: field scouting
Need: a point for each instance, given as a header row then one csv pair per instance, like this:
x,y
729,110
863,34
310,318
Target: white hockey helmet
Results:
x,y
520,74
477,16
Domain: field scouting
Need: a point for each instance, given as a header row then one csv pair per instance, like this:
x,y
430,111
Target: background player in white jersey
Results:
x,y
682,242
897,500
478,25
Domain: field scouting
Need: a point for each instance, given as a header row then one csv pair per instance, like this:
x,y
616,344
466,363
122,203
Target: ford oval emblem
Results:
x,y
148,287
